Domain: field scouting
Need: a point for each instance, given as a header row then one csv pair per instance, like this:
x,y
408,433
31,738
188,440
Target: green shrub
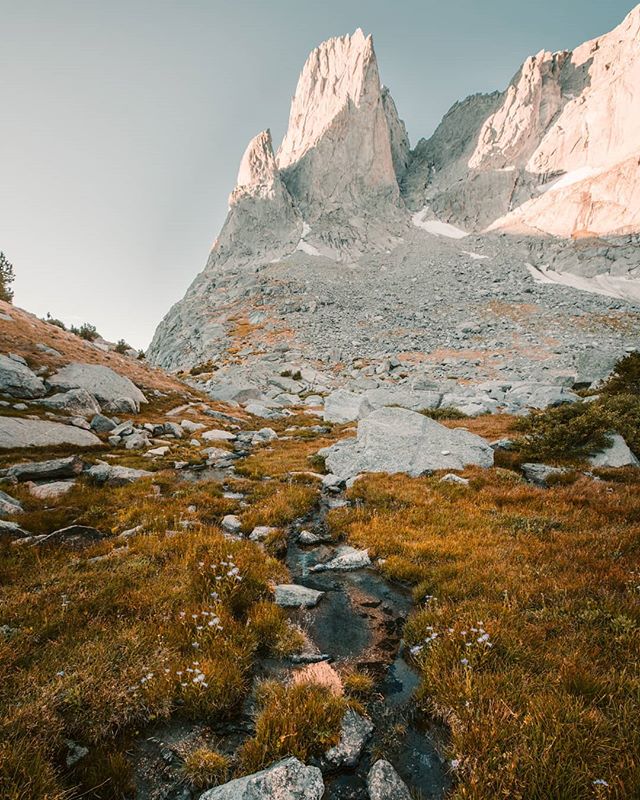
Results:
x,y
576,431
122,347
54,321
625,378
444,412
85,331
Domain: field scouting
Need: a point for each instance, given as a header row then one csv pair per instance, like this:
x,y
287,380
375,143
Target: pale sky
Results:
x,y
124,121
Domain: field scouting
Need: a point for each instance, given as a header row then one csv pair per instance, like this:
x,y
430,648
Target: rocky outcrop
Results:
x,y
397,440
330,192
17,380
337,147
556,153
17,432
108,387
287,780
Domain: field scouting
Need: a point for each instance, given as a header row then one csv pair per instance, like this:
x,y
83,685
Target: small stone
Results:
x,y
260,533
540,473
218,435
354,733
310,538
101,424
231,523
50,491
451,477
291,595
346,559
384,783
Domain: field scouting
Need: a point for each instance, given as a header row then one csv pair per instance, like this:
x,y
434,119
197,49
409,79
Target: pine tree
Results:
x,y
6,278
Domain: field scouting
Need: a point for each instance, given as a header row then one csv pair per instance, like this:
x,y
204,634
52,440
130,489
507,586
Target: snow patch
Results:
x,y
474,256
608,285
436,227
305,247
574,176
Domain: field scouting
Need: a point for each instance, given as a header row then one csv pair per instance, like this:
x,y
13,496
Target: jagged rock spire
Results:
x,y
338,144
258,175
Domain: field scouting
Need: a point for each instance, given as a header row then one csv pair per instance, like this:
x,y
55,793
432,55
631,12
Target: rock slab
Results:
x,y
16,432
398,440
287,780
17,380
107,386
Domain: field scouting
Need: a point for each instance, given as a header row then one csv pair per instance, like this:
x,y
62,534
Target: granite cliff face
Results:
x,y
556,154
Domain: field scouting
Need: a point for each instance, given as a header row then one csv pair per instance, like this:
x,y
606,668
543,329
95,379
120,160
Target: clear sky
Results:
x,y
123,122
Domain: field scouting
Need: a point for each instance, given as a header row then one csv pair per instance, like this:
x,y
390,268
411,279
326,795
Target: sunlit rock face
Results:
x,y
559,152
338,144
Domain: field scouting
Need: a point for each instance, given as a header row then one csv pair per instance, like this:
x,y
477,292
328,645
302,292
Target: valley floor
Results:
x,y
136,665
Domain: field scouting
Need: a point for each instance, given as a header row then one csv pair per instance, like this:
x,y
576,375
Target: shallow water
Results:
x,y
360,621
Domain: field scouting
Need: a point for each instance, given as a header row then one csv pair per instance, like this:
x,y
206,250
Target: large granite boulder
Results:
x,y
16,432
17,380
78,402
287,780
398,440
617,454
107,386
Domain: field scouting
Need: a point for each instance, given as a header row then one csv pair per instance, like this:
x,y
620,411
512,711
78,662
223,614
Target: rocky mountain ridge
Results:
x,y
345,216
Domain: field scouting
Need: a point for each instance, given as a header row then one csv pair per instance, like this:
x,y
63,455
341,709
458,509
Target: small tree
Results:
x,y
85,331
121,346
6,278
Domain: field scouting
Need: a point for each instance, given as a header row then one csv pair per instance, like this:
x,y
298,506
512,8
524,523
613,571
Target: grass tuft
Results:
x,y
301,720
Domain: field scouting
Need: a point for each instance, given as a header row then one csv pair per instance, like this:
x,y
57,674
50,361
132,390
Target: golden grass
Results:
x,y
281,458
300,719
103,641
204,768
277,503
529,647
25,331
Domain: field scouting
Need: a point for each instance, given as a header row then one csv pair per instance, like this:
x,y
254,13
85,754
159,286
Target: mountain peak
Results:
x,y
336,73
258,171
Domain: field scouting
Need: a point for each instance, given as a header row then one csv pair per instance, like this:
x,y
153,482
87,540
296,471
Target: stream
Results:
x,y
360,620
